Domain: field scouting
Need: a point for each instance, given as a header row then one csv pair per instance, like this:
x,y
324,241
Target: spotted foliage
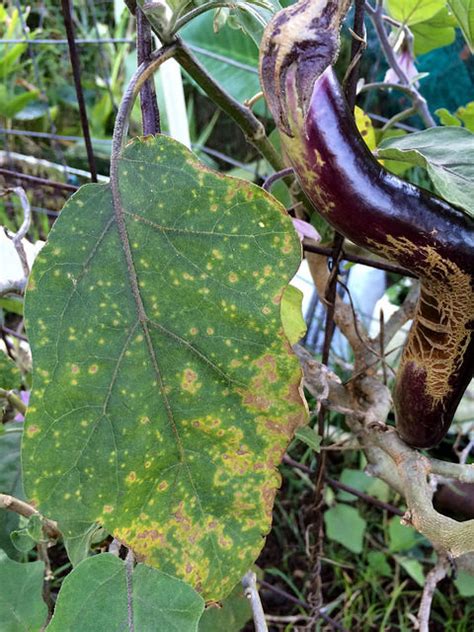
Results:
x,y
165,391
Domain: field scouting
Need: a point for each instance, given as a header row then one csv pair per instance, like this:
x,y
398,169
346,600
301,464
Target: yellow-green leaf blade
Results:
x,y
165,426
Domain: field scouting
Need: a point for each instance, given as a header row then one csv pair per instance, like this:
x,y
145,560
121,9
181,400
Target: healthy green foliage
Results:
x,y
103,594
464,12
291,316
413,11
10,483
22,608
10,376
345,525
434,33
229,56
447,153
230,616
165,391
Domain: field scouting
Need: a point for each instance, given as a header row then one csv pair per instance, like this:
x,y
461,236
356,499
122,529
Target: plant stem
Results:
x,y
419,102
148,104
24,509
14,400
252,128
249,583
141,75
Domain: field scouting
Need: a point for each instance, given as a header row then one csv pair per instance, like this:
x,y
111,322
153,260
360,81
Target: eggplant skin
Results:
x,y
380,212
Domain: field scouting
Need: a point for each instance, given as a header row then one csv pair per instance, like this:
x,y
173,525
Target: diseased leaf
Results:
x,y
98,595
165,391
447,153
464,12
21,602
345,525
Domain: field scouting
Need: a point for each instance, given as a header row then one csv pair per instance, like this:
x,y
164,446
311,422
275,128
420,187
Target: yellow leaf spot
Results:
x,y
108,508
144,420
233,278
189,381
93,369
162,486
217,254
210,331
132,477
32,430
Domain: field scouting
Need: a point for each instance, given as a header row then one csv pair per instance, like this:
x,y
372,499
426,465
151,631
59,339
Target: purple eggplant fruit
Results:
x,y
376,210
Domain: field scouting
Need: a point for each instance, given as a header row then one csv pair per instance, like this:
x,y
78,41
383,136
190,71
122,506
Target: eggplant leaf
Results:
x,y
165,391
447,153
102,594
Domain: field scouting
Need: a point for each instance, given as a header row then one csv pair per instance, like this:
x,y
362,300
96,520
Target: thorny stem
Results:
x,y
419,102
249,583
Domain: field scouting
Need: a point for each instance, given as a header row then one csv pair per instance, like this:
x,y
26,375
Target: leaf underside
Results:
x,y
165,424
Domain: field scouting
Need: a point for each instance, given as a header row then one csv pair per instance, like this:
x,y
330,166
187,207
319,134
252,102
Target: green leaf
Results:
x,y
464,582
414,11
401,537
232,616
10,374
21,602
10,483
447,153
254,18
165,392
12,304
434,33
25,539
464,13
463,115
12,104
9,59
78,547
377,562
446,118
310,437
413,568
229,57
345,525
291,314
95,597
354,478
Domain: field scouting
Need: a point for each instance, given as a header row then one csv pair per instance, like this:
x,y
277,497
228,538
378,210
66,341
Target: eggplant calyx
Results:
x,y
305,37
